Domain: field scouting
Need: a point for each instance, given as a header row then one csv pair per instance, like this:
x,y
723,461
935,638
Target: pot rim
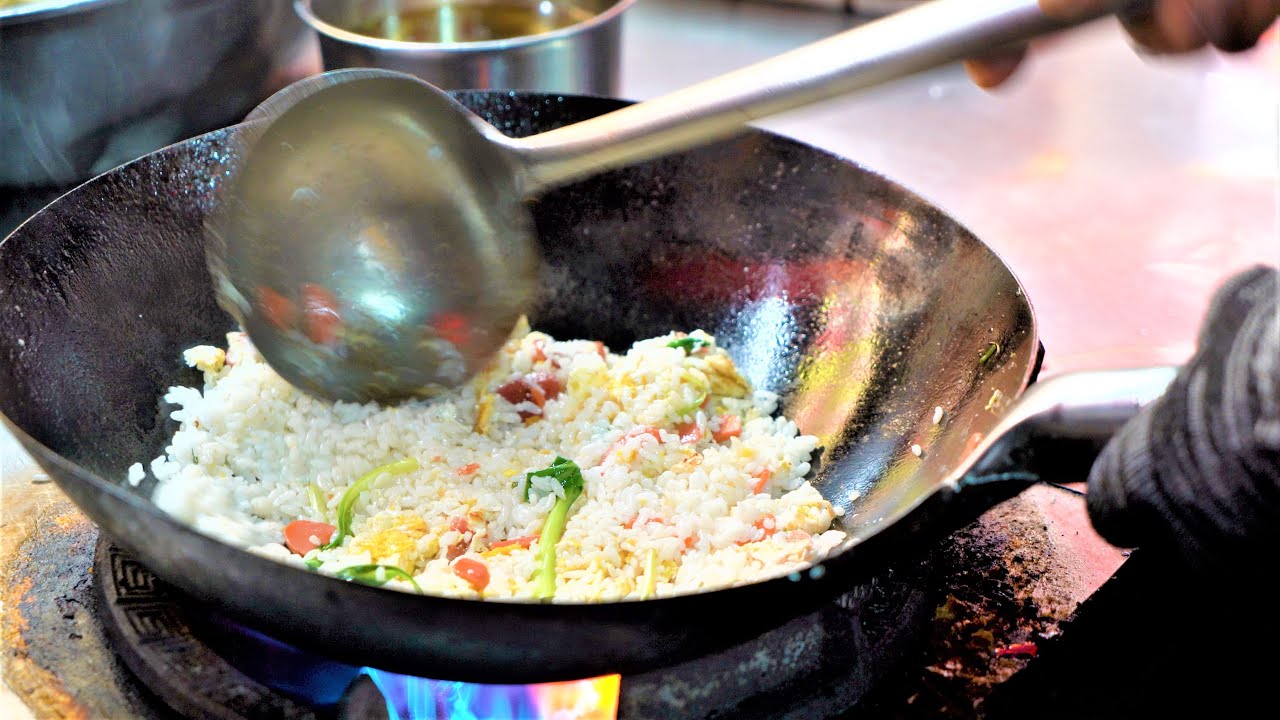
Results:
x,y
46,9
333,32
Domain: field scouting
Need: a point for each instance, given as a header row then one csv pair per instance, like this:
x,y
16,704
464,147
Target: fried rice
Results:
x,y
674,474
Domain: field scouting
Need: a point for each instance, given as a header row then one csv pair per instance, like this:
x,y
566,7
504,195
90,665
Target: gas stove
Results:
x,y
90,631
1022,614
203,664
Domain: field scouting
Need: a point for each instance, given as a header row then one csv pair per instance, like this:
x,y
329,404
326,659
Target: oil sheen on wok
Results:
x,y
565,472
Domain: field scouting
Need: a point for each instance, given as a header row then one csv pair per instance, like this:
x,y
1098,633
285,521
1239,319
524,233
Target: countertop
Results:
x,y
1121,189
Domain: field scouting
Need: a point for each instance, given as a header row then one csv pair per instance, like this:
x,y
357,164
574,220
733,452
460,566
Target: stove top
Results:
x,y
90,631
200,664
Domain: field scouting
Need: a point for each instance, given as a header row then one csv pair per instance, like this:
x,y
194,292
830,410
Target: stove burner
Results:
x,y
204,665
152,633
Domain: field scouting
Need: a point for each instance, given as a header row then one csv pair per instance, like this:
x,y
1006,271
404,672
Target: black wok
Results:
x,y
863,305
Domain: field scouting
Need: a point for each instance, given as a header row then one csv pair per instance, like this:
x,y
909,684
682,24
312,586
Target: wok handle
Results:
x,y
1058,427
912,40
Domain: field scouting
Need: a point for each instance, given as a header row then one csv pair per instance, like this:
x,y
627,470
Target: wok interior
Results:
x,y
862,305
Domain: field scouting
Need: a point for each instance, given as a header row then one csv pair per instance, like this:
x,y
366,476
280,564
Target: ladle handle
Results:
x,y
919,38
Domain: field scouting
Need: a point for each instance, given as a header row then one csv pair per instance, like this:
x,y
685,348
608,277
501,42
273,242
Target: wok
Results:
x,y
863,305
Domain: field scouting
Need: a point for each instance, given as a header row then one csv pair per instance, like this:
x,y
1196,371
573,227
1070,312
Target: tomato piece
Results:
x,y
523,542
468,469
762,478
690,432
277,309
453,327
458,525
473,571
320,318
767,525
299,533
548,383
537,388
634,432
457,550
518,391
535,393
730,427
652,519
514,392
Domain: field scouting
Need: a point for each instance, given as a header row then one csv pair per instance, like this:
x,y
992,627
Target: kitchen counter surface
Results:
x,y
1120,189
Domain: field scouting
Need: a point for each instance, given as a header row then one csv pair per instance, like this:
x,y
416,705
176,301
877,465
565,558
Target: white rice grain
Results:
x,y
681,461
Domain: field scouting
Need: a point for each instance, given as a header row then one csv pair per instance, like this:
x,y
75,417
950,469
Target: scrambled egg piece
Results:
x,y
724,377
396,545
205,358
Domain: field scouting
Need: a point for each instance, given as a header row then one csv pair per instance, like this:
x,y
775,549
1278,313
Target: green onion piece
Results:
x,y
689,344
316,496
314,563
650,575
990,352
368,575
569,475
703,388
346,506
566,472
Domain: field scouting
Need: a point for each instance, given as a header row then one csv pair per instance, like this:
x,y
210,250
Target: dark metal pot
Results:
x,y
86,85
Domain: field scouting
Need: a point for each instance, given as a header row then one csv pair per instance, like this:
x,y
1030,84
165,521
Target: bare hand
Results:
x,y
1162,26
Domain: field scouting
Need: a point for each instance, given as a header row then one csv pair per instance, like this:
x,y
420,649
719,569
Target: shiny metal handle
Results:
x,y
1057,428
906,42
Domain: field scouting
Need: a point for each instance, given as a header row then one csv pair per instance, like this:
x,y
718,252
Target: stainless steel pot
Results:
x,y
582,58
86,85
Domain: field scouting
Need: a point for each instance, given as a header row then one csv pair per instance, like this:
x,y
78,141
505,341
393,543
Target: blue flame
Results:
x,y
414,698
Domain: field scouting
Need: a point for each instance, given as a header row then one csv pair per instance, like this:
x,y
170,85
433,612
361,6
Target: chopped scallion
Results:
x,y
369,575
316,496
569,476
689,344
346,506
990,352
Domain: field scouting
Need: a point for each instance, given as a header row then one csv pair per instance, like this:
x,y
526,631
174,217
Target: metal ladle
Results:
x,y
375,243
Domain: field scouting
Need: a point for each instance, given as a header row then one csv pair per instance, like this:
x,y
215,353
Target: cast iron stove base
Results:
x,y
202,665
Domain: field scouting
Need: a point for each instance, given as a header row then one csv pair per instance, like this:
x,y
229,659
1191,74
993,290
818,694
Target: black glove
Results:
x,y
1198,471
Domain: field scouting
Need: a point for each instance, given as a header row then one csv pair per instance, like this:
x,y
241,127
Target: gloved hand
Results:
x,y
1160,26
1198,471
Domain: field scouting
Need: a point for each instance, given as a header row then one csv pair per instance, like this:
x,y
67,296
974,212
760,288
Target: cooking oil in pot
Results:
x,y
473,20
